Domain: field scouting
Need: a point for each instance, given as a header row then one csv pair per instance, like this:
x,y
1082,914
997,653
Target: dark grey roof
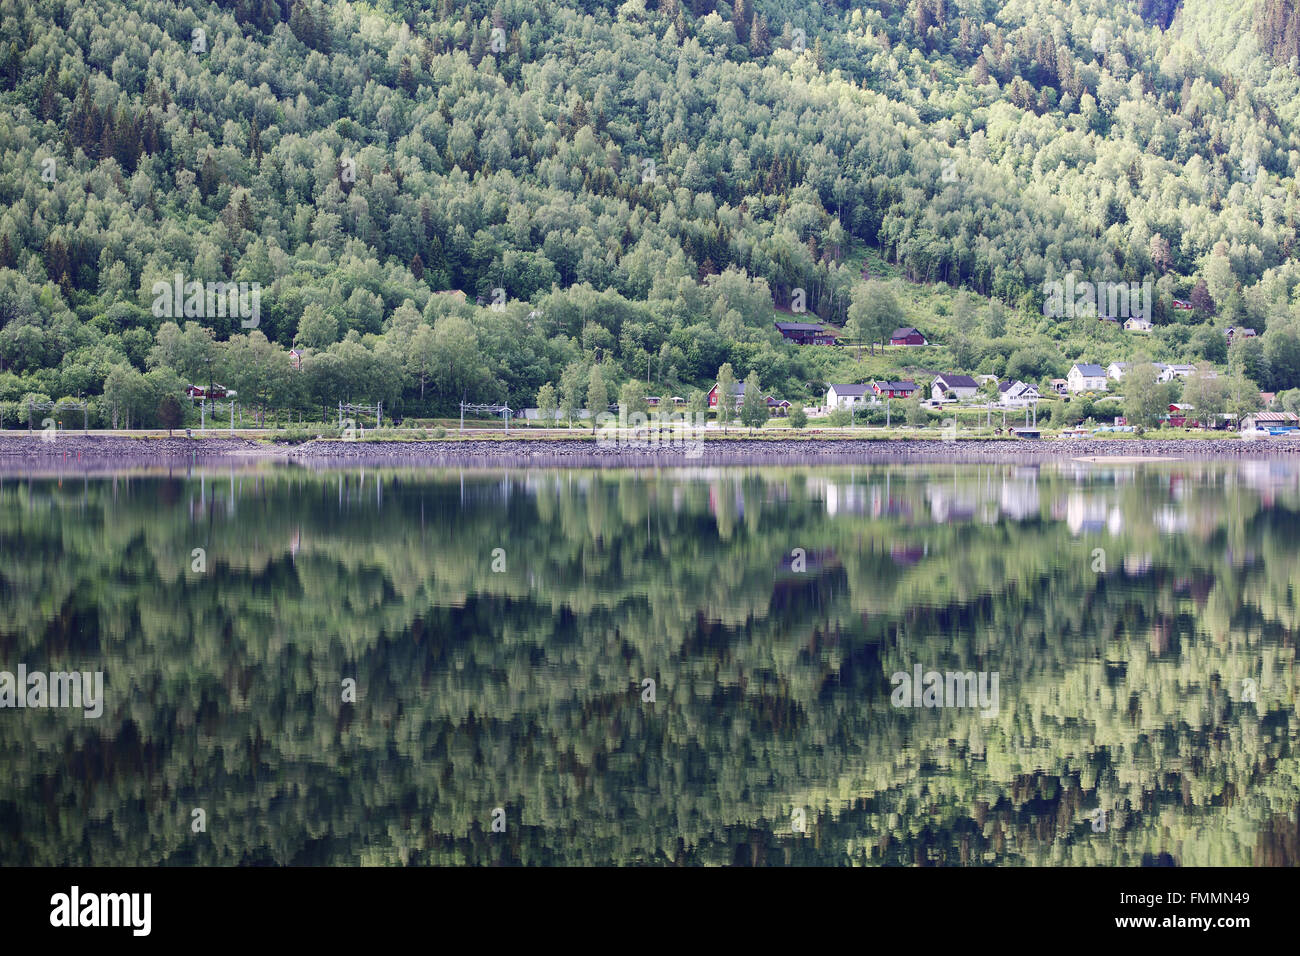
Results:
x,y
958,381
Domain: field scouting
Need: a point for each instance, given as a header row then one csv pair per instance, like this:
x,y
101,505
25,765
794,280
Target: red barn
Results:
x,y
907,336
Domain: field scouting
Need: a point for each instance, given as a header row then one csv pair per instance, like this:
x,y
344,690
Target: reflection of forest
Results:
x,y
1120,689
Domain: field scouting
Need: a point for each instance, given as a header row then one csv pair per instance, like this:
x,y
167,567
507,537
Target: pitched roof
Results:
x,y
958,381
850,389
1088,369
894,386
800,327
904,333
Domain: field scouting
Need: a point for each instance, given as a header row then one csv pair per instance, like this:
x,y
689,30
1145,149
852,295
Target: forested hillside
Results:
x,y
632,186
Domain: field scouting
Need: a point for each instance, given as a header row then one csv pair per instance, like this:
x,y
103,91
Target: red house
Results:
x,y
908,336
737,390
893,389
778,407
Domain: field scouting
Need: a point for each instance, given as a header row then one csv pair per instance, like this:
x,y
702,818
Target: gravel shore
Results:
x,y
97,451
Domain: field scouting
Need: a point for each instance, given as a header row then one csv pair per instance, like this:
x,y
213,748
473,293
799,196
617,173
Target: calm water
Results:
x,y
1141,622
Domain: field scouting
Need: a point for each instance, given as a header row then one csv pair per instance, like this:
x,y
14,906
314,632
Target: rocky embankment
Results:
x,y
781,451
97,451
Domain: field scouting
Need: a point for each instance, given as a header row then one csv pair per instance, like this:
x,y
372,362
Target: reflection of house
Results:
x,y
1137,564
948,504
851,499
1085,515
907,554
1170,520
883,505
1019,499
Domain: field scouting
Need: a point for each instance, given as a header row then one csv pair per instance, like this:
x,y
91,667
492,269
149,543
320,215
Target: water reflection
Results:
x,y
501,629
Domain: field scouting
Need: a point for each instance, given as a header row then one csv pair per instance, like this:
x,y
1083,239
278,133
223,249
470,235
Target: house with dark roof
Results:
x,y
846,396
1017,394
775,406
907,336
805,333
1086,377
737,393
903,389
961,386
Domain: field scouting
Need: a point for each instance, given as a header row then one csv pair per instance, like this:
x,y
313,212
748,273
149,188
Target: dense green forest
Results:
x,y
631,186
1121,685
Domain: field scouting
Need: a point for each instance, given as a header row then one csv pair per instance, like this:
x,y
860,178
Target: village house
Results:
x,y
962,387
1269,420
893,389
907,336
214,391
737,391
1244,333
1182,305
805,333
775,406
1059,385
1136,324
1086,377
1116,370
1017,394
847,396
1169,372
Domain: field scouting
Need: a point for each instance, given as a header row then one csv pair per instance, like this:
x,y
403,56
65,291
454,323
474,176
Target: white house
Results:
x,y
1116,370
1017,394
963,386
1168,372
1136,324
846,396
1086,377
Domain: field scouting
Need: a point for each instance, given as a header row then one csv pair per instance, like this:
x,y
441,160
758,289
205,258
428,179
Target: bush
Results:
x,y
439,432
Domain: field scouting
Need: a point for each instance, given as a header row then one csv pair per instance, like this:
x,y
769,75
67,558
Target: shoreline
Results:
x,y
96,452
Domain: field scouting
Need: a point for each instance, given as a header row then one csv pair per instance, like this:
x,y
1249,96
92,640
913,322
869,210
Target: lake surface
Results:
x,y
501,629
